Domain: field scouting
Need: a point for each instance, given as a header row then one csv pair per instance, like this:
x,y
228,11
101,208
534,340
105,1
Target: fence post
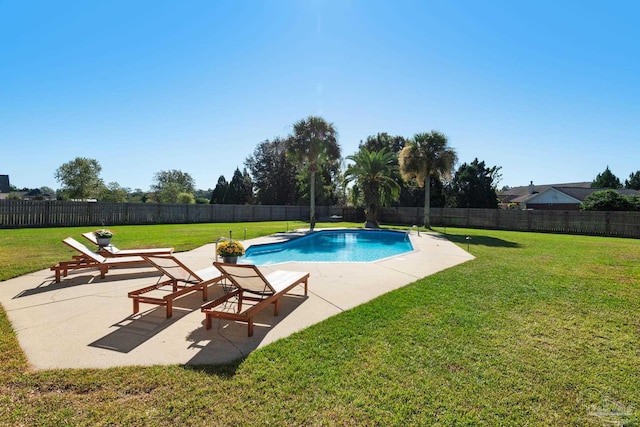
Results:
x,y
47,214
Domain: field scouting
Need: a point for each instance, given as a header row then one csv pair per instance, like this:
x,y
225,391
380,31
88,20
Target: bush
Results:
x,y
607,200
186,199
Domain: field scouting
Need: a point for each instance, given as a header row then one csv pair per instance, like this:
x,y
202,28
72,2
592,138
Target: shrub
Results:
x,y
606,200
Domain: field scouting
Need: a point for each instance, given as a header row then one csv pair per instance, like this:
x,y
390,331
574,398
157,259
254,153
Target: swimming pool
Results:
x,y
331,246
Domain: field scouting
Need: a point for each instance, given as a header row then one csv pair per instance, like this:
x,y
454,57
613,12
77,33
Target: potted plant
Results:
x,y
230,251
103,237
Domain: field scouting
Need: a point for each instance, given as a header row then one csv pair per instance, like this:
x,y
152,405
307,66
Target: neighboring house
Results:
x,y
552,197
517,197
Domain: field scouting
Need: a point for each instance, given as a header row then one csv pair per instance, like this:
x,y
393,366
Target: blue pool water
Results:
x,y
331,246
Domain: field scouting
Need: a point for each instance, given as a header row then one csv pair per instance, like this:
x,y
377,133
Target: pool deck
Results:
x,y
87,322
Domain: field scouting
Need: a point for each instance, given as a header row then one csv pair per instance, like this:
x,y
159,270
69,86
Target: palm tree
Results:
x,y
426,155
373,173
313,143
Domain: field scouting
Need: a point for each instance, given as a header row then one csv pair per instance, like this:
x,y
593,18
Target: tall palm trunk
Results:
x,y
312,195
427,203
372,217
372,208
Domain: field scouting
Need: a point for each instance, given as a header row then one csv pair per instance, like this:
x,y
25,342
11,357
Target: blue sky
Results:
x,y
548,90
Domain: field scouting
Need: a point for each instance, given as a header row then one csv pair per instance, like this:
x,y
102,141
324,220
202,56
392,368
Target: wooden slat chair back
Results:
x,y
181,280
248,279
175,269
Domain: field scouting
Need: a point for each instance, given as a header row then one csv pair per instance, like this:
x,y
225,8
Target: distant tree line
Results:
x,y
307,167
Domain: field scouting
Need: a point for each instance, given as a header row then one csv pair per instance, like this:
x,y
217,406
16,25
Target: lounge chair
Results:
x,y
182,280
263,289
111,251
90,259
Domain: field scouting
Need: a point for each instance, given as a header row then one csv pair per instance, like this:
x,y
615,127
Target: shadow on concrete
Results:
x,y
227,342
136,329
81,280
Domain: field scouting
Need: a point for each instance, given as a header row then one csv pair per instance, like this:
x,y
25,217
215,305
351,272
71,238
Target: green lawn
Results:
x,y
540,329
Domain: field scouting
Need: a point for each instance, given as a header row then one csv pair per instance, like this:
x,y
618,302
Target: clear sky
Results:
x,y
548,90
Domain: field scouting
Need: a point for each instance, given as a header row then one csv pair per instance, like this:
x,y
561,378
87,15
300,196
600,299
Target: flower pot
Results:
x,y
230,259
103,241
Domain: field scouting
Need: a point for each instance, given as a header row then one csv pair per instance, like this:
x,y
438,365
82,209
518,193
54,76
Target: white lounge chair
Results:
x,y
263,289
111,251
90,259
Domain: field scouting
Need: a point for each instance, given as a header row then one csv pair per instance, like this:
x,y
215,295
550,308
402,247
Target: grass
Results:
x,y
540,329
40,248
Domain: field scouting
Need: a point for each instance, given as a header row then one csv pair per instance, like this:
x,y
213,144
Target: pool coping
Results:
x,y
87,322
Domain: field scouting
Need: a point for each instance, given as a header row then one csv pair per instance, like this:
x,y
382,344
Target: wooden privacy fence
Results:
x,y
37,213
621,224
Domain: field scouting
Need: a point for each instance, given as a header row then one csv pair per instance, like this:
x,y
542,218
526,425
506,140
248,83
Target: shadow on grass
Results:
x,y
480,240
226,370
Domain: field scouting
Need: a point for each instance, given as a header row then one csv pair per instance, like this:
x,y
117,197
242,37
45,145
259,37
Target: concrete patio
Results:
x,y
87,322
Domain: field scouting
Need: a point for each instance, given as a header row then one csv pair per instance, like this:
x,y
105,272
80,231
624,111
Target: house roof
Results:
x,y
522,194
576,190
580,193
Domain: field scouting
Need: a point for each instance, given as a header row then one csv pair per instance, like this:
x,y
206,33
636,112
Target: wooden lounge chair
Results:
x,y
111,251
182,280
89,259
263,290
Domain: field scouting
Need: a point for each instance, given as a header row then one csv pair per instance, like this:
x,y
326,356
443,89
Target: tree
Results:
x,y
424,156
606,179
413,195
137,196
410,193
312,144
393,144
169,184
113,192
606,200
328,189
373,173
633,183
274,175
219,194
169,193
240,188
203,197
80,178
186,199
474,186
